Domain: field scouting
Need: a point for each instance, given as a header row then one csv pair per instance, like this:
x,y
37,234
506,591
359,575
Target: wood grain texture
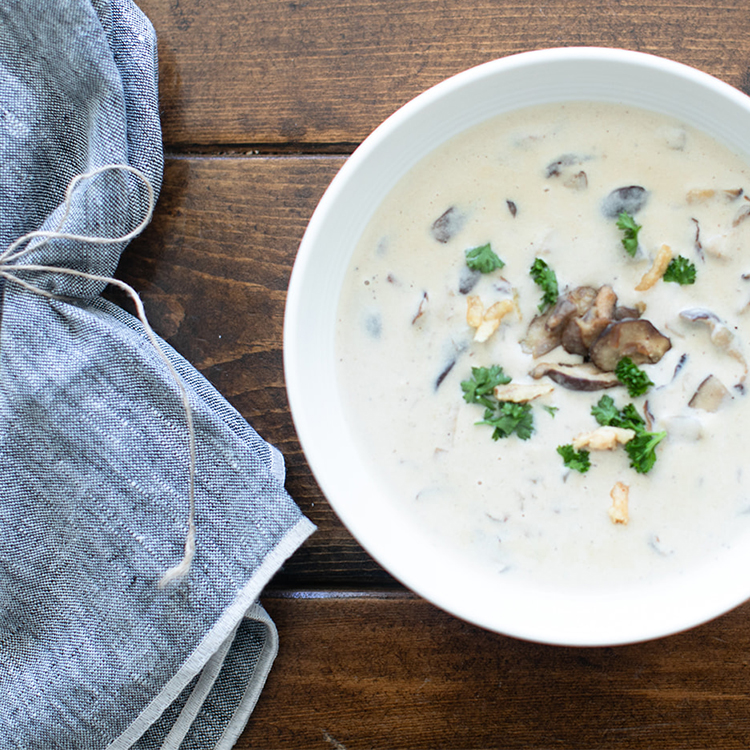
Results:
x,y
328,71
391,671
261,102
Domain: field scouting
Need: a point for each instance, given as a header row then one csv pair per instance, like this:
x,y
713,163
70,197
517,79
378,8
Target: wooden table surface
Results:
x,y
262,101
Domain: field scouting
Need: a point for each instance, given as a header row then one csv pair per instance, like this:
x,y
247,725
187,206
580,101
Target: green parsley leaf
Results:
x,y
573,459
483,259
551,410
546,279
630,419
508,418
607,414
482,384
504,416
642,450
632,377
604,411
680,270
630,229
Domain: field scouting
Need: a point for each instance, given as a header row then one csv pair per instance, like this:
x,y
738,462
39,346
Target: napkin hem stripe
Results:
x,y
209,675
226,624
245,706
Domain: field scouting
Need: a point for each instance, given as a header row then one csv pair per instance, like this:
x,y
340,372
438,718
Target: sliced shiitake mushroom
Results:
x,y
448,224
582,297
468,280
637,339
710,395
556,167
630,199
622,312
539,339
583,377
560,313
721,336
701,315
583,330
545,331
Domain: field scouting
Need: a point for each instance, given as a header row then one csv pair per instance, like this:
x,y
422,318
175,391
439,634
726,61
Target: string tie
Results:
x,y
11,263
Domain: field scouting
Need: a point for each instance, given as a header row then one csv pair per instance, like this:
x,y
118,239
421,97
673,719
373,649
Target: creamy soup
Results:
x,y
566,187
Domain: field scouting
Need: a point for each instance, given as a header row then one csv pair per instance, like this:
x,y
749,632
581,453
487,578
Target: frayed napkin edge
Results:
x,y
250,697
218,635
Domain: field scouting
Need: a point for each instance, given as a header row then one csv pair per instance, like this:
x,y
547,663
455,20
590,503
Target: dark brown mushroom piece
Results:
x,y
545,331
680,366
560,313
583,330
710,395
630,199
555,168
623,312
448,224
637,339
583,377
697,244
539,339
444,373
468,280
583,297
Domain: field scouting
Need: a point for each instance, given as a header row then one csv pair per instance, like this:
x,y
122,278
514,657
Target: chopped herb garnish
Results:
x,y
573,459
481,387
607,414
505,416
551,410
546,279
680,270
508,418
632,377
630,419
642,447
630,229
642,450
483,259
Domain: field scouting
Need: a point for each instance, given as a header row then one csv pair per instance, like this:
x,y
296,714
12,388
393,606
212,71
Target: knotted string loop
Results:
x,y
11,263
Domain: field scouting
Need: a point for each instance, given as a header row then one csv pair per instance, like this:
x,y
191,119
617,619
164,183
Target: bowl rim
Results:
x,y
444,589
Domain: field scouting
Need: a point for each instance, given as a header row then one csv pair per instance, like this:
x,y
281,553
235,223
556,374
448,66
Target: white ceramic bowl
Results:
x,y
402,548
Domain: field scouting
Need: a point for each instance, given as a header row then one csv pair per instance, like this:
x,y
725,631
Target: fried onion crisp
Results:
x,y
661,261
618,511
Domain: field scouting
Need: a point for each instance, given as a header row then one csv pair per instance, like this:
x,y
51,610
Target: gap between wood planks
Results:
x,y
261,149
318,593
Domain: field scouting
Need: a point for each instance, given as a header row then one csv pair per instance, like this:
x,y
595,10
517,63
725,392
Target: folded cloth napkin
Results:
x,y
95,456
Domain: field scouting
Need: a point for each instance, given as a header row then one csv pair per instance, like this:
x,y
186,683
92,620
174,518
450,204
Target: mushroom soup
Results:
x,y
542,339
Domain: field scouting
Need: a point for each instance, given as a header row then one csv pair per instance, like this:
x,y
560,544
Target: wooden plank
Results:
x,y
328,71
391,671
212,270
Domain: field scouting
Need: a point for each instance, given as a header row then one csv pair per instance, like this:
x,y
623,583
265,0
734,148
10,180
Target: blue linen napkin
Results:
x,y
94,450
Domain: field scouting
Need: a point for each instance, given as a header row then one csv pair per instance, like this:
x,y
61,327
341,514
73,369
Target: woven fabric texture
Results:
x,y
94,452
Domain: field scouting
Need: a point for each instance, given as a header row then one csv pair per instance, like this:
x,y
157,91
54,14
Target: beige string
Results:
x,y
10,265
